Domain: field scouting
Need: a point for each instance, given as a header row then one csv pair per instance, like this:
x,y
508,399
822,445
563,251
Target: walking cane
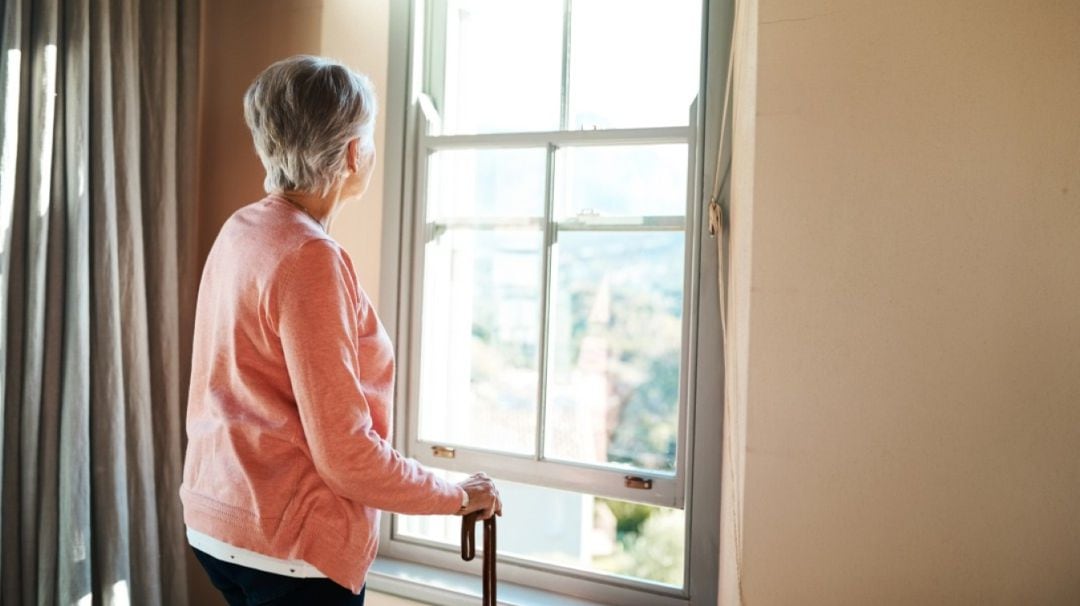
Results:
x,y
468,551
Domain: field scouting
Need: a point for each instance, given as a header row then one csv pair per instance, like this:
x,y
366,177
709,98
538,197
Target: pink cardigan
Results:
x,y
289,412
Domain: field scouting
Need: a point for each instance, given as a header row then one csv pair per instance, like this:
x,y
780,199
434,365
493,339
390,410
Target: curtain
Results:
x,y
96,288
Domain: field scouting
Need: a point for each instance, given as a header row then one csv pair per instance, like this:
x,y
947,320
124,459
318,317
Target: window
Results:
x,y
544,274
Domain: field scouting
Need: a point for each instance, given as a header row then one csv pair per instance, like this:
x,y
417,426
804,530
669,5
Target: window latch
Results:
x,y
638,483
444,452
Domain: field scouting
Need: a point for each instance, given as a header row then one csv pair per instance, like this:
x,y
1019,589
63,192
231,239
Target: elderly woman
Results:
x,y
288,459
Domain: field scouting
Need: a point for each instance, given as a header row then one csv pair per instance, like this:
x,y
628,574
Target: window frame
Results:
x,y
695,488
665,488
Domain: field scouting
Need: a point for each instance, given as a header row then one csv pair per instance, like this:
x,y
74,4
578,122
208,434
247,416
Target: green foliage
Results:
x,y
653,550
657,551
629,517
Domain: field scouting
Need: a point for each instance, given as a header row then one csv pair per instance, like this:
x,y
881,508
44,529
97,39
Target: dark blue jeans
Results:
x,y
243,586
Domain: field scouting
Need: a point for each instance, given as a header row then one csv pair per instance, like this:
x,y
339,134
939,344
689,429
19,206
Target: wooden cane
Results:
x,y
468,551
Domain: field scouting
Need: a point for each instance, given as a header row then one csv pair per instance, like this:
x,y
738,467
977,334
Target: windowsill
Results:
x,y
448,588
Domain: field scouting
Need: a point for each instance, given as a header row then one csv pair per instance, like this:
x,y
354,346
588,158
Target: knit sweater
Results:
x,y
290,405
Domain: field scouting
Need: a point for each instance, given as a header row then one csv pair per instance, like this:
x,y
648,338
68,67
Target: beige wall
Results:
x,y
240,38
913,381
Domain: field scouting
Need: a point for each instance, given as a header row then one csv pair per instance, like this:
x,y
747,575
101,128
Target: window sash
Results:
x,y
664,488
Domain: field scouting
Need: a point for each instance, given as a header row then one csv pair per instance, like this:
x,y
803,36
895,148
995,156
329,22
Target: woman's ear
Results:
x,y
352,155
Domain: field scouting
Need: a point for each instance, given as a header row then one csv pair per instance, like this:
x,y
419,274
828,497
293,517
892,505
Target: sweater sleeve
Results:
x,y
317,304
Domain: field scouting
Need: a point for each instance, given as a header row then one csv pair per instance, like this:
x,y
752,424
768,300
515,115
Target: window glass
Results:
x,y
486,183
502,67
614,347
480,343
625,180
633,63
574,530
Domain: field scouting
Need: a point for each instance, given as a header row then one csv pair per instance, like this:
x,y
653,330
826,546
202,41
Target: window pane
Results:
x,y
614,350
633,63
486,183
632,180
503,66
574,530
479,340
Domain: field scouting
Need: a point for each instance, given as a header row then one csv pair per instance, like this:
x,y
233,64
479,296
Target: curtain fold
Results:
x,y
96,289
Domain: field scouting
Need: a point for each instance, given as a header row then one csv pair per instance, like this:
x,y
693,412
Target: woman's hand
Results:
x,y
483,496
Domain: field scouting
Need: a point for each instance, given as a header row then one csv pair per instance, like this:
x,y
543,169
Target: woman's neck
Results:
x,y
321,208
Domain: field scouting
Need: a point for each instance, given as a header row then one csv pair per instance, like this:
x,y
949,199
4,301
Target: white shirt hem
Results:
x,y
250,559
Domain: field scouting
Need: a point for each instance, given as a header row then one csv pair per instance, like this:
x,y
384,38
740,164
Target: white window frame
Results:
x,y
695,488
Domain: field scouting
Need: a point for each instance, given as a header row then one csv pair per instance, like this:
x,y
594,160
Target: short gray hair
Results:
x,y
302,112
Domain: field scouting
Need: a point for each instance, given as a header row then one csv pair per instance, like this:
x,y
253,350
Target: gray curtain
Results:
x,y
96,285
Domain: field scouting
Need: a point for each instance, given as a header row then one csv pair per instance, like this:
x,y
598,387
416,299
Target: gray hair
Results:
x,y
302,112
